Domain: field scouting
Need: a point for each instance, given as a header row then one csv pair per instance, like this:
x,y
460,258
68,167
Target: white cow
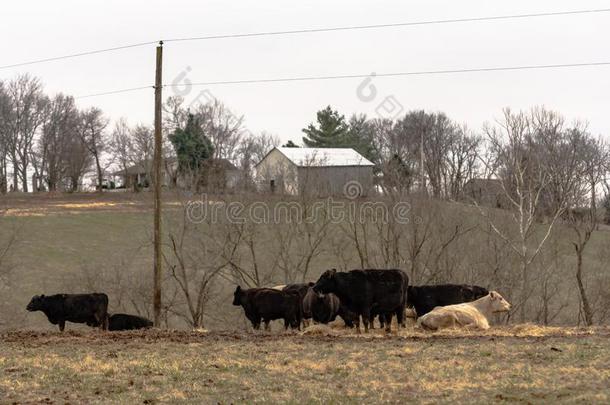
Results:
x,y
473,314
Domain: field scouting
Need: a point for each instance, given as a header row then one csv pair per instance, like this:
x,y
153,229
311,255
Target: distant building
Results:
x,y
486,192
217,174
315,171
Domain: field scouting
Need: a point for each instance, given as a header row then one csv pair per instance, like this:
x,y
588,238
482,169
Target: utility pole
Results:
x,y
157,187
422,171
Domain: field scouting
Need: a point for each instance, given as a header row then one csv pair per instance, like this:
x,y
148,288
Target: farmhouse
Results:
x,y
315,171
218,174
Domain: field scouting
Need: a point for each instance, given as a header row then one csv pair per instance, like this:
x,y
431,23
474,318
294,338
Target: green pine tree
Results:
x,y
330,131
361,136
191,145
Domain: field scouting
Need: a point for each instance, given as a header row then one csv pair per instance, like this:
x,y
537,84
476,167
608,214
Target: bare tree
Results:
x,y
222,127
26,113
525,174
194,263
93,136
460,161
252,149
58,131
593,156
4,127
78,160
143,146
121,144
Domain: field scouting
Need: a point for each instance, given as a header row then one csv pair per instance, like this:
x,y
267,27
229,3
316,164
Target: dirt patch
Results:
x,y
533,365
315,332
43,204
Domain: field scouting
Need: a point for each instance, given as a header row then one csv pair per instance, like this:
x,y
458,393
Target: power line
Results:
x,y
391,25
115,92
312,30
75,55
360,76
394,74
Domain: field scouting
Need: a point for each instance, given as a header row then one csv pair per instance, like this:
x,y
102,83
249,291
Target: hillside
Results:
x,y
70,243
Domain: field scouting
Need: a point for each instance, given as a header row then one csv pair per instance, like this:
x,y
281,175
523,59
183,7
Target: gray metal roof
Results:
x,y
324,157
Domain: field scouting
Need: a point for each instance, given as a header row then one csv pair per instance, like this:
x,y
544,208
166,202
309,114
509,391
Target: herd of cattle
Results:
x,y
353,296
369,294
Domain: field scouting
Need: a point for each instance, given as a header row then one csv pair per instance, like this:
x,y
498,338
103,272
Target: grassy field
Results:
x,y
61,237
525,363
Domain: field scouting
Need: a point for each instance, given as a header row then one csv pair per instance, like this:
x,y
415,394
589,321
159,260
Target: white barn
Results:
x,y
315,171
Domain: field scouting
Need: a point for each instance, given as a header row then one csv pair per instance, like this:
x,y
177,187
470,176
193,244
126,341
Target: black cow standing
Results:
x,y
91,309
301,289
350,318
323,308
425,298
128,322
368,291
267,304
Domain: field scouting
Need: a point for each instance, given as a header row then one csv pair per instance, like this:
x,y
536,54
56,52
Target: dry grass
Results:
x,y
525,363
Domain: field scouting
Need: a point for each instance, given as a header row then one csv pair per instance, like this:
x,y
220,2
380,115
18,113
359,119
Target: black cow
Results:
x,y
323,308
425,298
128,322
91,309
301,289
267,304
368,291
350,318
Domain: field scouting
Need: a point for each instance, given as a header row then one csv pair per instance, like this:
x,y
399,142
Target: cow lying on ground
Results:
x,y
267,304
91,309
425,298
367,291
128,322
473,315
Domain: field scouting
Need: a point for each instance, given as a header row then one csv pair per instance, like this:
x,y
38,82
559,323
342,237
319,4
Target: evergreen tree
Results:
x,y
361,137
330,131
191,145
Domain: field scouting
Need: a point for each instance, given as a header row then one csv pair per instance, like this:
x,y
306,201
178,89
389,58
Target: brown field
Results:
x,y
523,363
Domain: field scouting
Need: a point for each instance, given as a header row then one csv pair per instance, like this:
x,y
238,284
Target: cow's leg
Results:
x,y
62,325
104,323
366,319
254,320
400,317
382,321
266,324
388,322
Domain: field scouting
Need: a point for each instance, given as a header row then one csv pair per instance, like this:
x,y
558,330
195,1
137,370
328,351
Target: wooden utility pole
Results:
x,y
157,187
422,171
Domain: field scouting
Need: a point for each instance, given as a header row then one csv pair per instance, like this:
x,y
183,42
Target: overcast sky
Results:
x,y
40,29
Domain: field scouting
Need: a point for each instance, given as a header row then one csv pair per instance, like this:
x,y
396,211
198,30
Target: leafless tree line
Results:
x,y
552,175
47,137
